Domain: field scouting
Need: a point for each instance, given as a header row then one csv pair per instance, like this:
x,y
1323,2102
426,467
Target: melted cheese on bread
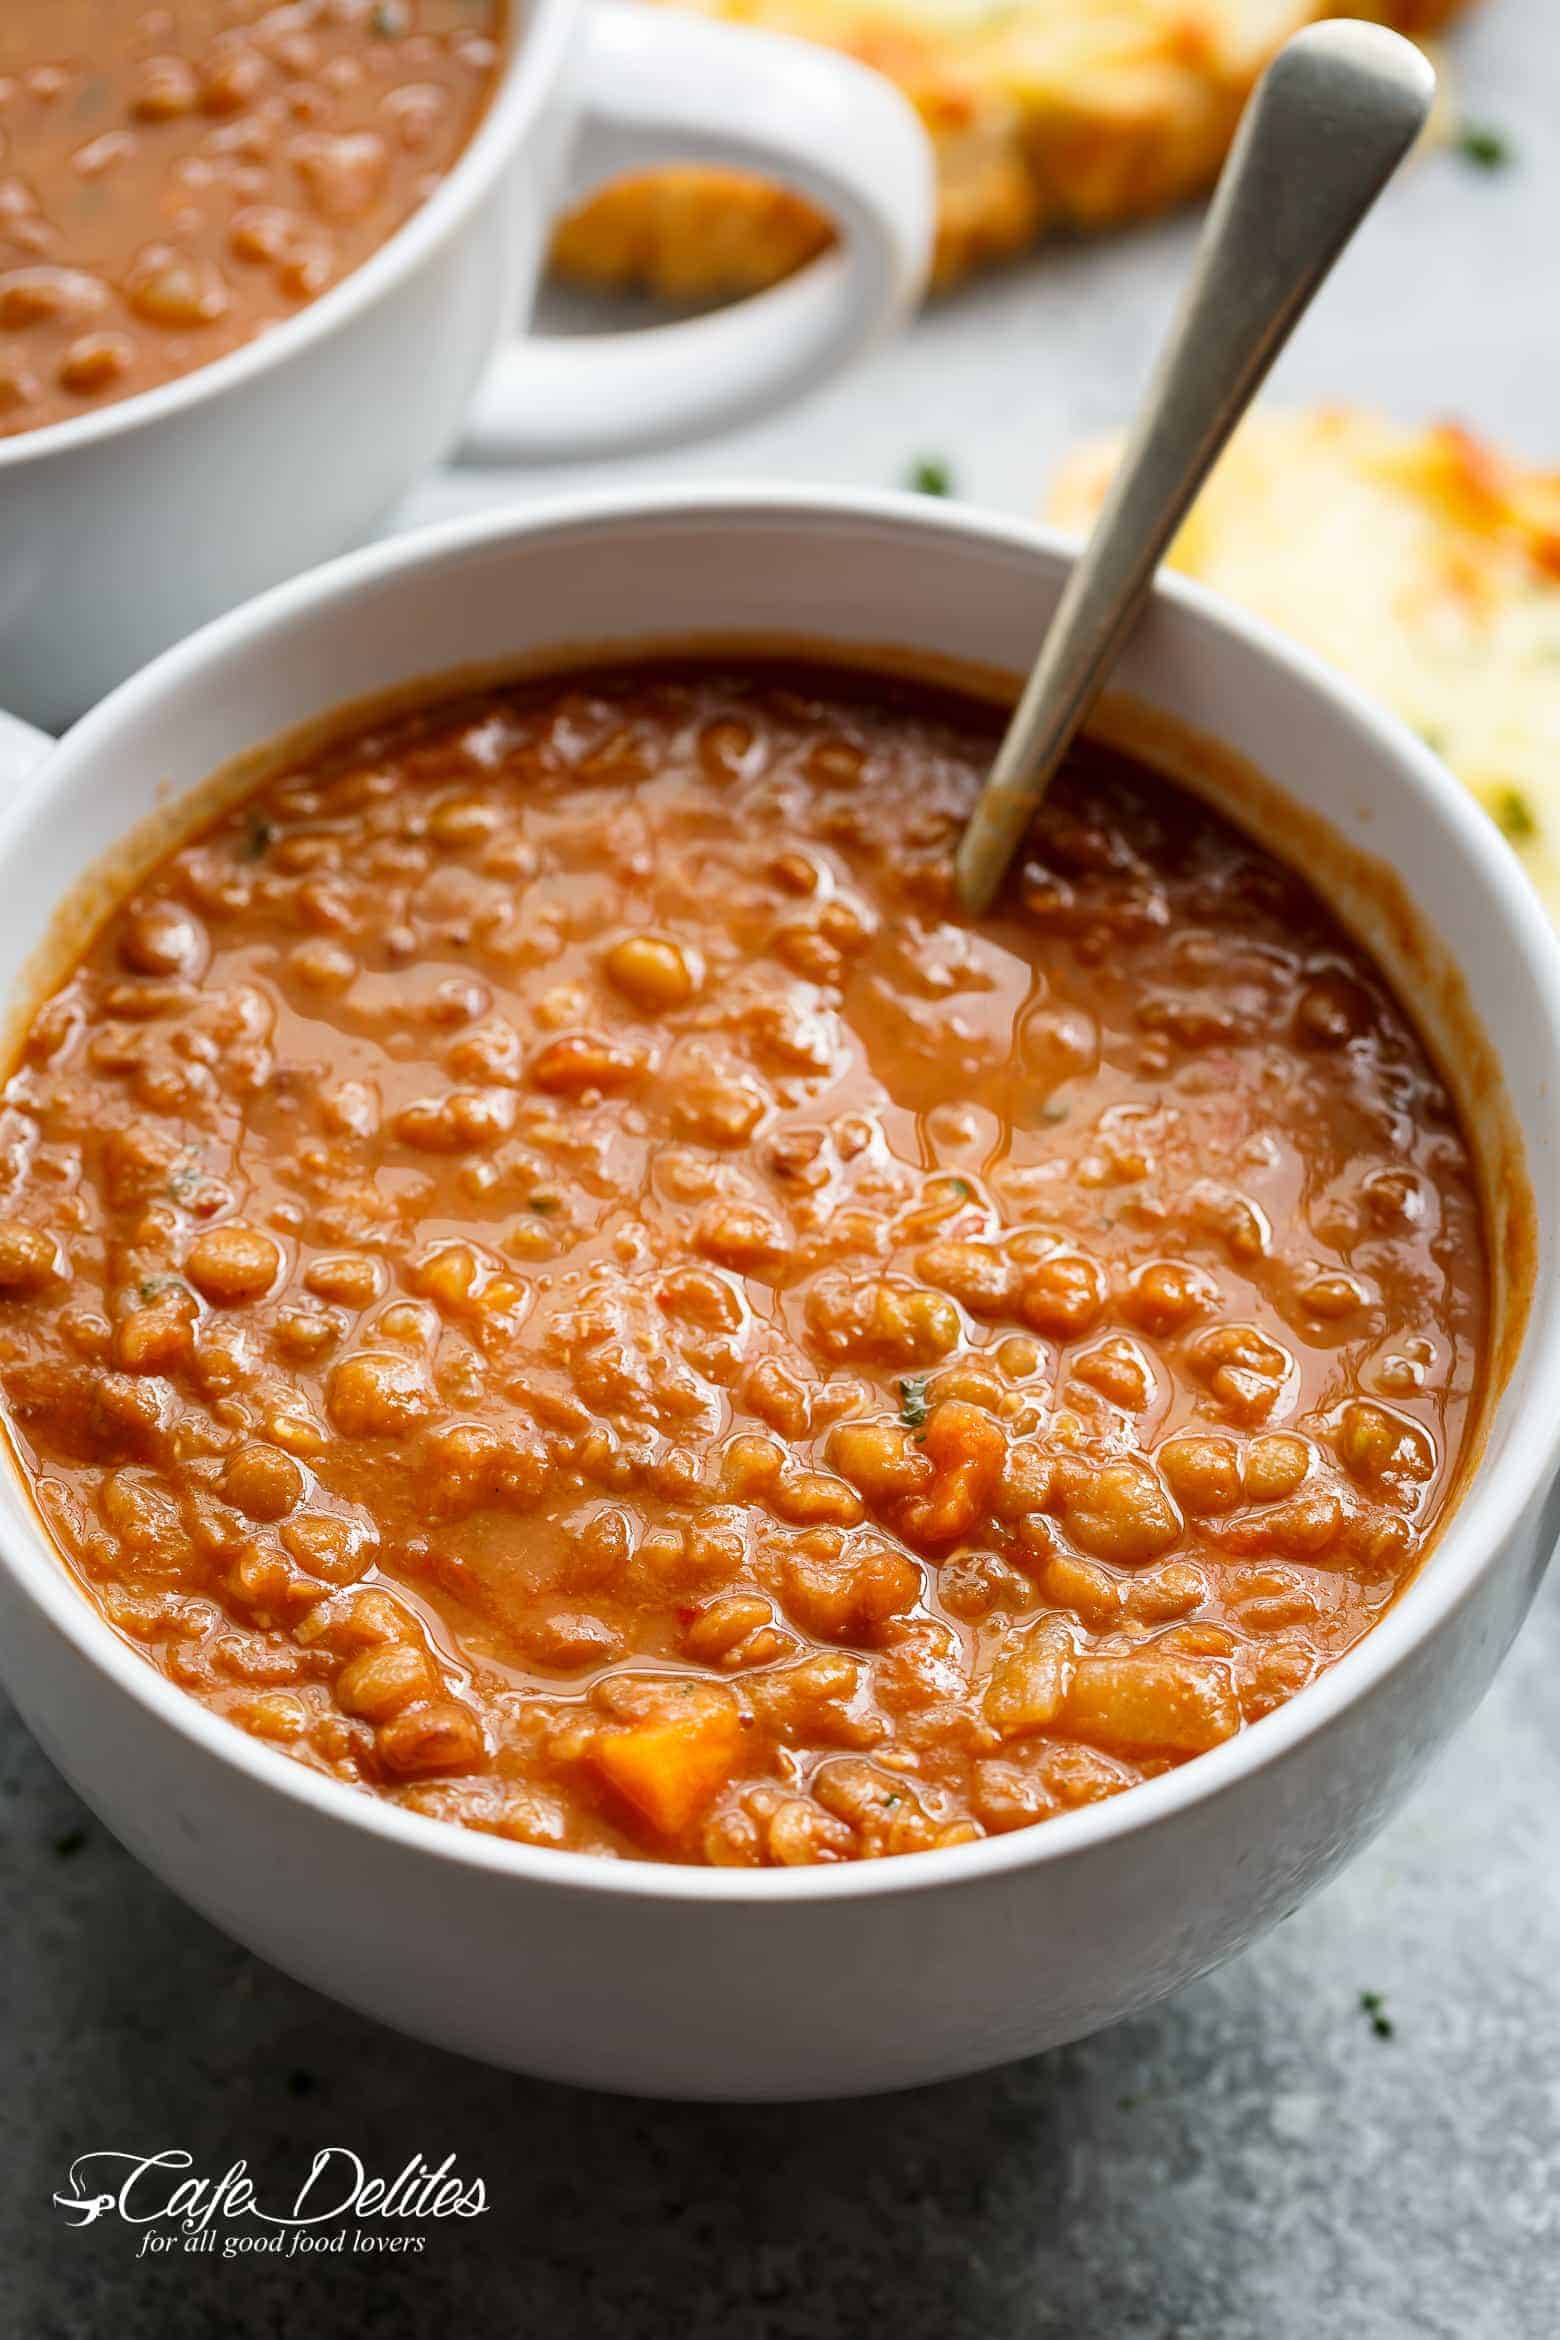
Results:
x,y
1420,562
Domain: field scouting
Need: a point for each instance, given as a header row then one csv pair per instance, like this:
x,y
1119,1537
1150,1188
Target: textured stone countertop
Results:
x,y
1250,2161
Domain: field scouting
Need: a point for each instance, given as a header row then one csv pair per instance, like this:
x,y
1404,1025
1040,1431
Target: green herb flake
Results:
x,y
1513,814
68,1843
153,1288
913,1405
929,475
184,1174
1486,148
259,836
1052,1112
1374,2006
93,98
962,1189
543,1204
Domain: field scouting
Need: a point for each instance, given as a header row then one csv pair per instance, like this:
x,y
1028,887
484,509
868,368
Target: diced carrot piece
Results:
x,y
967,1451
670,1768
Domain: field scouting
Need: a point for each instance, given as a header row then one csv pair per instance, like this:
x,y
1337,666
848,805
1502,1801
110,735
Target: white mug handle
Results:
x,y
654,87
22,750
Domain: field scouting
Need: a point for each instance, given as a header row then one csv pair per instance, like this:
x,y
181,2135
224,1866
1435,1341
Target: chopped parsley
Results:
x,y
258,836
1513,815
545,1204
963,1189
929,475
1486,148
1373,2005
913,1405
184,1174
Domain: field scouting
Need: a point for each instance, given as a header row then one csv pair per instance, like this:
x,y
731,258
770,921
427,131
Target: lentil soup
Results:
x,y
176,178
548,1271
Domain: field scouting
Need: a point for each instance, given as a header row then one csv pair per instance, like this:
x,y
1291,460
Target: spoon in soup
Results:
x,y
1327,125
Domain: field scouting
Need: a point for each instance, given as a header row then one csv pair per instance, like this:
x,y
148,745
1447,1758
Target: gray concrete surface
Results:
x,y
1252,2161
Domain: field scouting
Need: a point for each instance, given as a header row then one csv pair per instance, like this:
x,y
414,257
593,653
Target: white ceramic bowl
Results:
x,y
715,1983
123,528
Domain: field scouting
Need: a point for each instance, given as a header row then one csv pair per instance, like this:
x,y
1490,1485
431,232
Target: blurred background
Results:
x,y
1445,307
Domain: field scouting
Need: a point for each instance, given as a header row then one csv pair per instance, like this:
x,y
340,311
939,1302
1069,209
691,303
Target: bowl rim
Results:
x,y
535,38
1467,1549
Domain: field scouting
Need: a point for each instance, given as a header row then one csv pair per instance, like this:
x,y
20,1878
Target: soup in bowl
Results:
x,y
256,259
179,179
814,1492
547,1271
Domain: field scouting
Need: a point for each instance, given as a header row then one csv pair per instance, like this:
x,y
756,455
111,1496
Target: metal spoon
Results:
x,y
1326,127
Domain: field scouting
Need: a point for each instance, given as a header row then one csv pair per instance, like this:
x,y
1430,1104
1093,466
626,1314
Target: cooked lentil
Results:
x,y
174,179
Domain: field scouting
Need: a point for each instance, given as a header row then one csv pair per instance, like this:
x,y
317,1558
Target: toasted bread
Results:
x,y
1421,562
1043,113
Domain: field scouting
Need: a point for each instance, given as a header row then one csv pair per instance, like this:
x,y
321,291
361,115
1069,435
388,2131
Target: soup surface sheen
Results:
x,y
546,1270
175,178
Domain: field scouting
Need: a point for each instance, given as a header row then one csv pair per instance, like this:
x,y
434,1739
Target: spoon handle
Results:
x,y
1326,127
